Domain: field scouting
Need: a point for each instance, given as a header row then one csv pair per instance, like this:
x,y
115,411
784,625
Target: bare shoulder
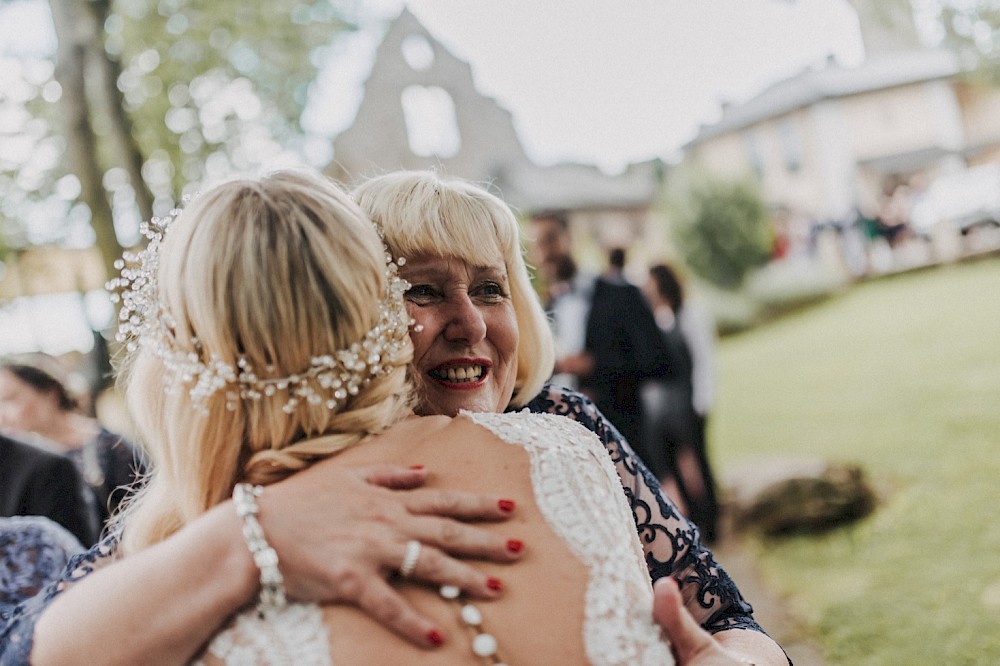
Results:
x,y
534,429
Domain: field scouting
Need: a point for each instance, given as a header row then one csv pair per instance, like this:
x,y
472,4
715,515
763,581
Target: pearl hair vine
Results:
x,y
330,379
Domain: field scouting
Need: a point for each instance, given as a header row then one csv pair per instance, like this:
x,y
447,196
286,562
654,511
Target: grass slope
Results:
x,y
903,376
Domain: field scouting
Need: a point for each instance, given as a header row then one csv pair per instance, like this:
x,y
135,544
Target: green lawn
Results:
x,y
901,375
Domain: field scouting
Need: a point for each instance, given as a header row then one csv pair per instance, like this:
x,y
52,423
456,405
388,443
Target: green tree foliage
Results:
x,y
145,98
720,227
971,28
31,153
220,85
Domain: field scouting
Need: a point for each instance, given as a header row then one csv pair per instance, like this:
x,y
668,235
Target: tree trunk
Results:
x,y
109,70
75,29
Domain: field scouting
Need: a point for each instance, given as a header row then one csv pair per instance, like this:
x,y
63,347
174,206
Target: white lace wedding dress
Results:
x,y
580,495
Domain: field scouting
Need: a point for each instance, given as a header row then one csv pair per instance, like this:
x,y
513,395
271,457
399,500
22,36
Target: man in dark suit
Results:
x,y
37,482
620,345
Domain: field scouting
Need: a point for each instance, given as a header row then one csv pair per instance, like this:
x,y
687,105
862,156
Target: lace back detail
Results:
x,y
579,492
580,495
294,635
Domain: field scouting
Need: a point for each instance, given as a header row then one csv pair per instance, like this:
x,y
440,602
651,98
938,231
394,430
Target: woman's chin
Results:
x,y
449,400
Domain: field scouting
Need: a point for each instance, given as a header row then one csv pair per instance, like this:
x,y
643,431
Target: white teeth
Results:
x,y
471,373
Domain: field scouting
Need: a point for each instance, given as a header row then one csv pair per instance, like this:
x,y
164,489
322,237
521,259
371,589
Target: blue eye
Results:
x,y
420,293
492,291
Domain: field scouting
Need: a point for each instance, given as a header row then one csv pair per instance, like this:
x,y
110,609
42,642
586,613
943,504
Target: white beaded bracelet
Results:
x,y
272,583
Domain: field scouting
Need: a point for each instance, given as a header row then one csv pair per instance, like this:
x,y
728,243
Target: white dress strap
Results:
x,y
293,635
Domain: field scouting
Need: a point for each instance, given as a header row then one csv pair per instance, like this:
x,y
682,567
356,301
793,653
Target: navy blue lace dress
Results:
x,y
672,544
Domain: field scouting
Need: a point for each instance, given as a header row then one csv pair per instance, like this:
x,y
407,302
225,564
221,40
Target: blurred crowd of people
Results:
x,y
644,355
910,223
62,473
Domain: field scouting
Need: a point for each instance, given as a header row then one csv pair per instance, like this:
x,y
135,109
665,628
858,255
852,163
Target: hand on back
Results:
x,y
342,532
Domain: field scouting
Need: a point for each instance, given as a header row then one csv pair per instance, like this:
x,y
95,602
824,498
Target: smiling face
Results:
x,y
466,336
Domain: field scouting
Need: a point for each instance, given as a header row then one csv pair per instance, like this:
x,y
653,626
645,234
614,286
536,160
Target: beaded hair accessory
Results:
x,y
144,321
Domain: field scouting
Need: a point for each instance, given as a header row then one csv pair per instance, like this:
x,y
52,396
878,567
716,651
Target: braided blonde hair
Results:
x,y
276,270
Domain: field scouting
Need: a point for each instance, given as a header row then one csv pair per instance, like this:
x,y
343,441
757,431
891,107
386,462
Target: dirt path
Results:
x,y
732,551
768,607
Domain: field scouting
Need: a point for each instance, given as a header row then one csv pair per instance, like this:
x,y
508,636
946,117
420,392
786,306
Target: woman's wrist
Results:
x,y
220,531
169,599
272,583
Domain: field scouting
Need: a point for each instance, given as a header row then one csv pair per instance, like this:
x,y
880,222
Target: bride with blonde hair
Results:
x,y
267,336
231,315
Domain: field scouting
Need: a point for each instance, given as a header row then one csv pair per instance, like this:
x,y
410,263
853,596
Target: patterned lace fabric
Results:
x,y
294,634
33,551
578,491
19,622
672,545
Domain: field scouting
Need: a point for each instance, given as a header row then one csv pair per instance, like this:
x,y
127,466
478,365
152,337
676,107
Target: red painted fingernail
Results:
x,y
494,584
506,505
417,467
435,637
515,545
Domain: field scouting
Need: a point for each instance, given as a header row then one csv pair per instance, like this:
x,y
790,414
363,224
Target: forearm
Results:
x,y
752,646
157,606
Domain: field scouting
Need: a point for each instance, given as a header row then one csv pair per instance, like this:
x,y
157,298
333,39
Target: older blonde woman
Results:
x,y
451,232
454,302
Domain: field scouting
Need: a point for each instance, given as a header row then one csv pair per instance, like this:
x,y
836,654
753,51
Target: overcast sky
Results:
x,y
608,82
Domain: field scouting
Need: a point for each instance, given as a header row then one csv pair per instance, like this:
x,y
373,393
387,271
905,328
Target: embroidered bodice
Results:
x,y
579,494
293,635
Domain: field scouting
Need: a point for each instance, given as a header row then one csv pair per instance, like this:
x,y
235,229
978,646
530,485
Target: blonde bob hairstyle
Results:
x,y
277,270
421,212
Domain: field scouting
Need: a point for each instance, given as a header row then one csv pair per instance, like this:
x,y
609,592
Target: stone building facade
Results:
x,y
421,109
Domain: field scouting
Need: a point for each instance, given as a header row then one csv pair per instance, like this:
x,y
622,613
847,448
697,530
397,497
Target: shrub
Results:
x,y
721,228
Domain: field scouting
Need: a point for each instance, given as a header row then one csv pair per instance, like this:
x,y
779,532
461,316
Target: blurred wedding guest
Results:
x,y
621,347
35,402
34,550
38,482
615,272
566,306
678,406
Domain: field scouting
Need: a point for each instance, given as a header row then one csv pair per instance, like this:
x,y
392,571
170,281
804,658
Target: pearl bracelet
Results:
x,y
272,583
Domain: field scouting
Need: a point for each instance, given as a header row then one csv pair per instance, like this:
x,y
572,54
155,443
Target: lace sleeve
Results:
x,y
18,622
671,543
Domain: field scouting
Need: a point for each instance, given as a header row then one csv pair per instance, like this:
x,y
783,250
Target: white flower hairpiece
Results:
x,y
329,379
